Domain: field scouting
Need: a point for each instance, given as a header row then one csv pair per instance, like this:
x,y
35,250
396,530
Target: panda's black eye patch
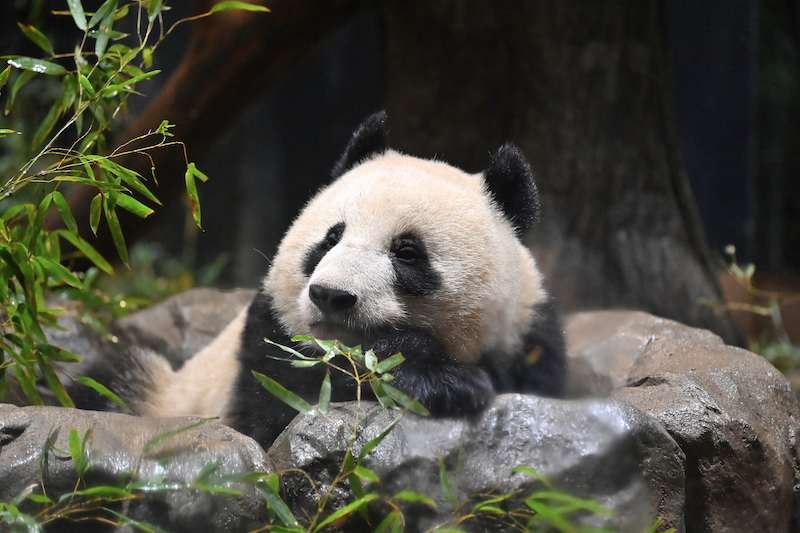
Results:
x,y
315,255
415,274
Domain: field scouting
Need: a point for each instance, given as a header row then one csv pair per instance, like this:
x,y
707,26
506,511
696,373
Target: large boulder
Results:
x,y
605,450
731,412
35,449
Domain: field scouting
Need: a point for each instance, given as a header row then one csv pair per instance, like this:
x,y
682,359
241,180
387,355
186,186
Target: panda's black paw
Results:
x,y
431,376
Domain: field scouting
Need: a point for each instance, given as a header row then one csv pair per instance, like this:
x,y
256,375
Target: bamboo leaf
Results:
x,y
389,363
103,390
346,510
87,250
444,481
286,396
59,272
78,15
366,474
22,79
134,206
94,212
37,66
116,233
4,79
222,6
413,497
149,445
277,504
325,394
64,211
191,189
368,447
405,400
47,124
37,37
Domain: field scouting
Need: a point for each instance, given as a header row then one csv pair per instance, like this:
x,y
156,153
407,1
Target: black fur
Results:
x,y
319,250
415,274
370,139
510,182
429,373
540,366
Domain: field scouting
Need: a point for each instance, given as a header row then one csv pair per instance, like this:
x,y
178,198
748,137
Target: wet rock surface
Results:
x,y
663,420
118,453
600,449
732,413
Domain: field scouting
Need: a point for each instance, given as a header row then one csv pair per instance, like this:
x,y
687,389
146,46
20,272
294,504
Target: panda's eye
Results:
x,y
408,250
333,236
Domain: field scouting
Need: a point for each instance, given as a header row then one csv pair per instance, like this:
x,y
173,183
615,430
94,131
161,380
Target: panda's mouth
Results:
x,y
348,336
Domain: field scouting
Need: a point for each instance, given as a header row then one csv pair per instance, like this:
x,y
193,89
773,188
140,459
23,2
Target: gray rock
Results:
x,y
117,451
732,413
183,324
600,449
649,393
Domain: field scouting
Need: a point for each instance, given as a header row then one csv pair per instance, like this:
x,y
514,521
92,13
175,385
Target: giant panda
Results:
x,y
397,254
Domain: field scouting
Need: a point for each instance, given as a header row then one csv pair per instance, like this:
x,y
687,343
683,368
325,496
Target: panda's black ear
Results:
x,y
371,138
510,182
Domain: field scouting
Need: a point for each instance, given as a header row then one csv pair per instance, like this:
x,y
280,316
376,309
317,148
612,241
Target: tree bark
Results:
x,y
582,87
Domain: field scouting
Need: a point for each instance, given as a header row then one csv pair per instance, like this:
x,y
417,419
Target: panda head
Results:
x,y
397,242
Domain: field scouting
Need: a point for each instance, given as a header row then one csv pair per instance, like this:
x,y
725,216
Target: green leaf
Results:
x,y
346,510
103,390
37,37
413,497
47,124
277,504
86,84
36,226
380,394
78,15
286,396
4,79
59,272
55,384
370,361
366,474
368,447
37,66
75,448
191,189
325,394
106,493
528,470
22,79
134,206
87,250
169,434
105,16
393,520
207,470
389,363
116,232
222,6
100,185
405,400
126,85
444,480
64,211
153,10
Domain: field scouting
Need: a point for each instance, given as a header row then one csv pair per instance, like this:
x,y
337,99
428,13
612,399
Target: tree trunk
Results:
x,y
582,87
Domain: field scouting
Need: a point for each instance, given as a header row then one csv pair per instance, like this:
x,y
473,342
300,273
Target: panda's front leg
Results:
x,y
432,376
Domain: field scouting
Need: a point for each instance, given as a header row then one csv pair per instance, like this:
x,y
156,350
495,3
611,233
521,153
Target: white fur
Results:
x,y
489,280
204,385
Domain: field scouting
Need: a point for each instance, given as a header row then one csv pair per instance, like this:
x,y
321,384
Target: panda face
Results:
x,y
399,242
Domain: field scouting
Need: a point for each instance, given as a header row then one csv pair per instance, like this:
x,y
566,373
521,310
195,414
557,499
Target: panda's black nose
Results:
x,y
331,300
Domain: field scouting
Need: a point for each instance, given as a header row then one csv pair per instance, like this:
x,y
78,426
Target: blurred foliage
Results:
x,y
84,90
